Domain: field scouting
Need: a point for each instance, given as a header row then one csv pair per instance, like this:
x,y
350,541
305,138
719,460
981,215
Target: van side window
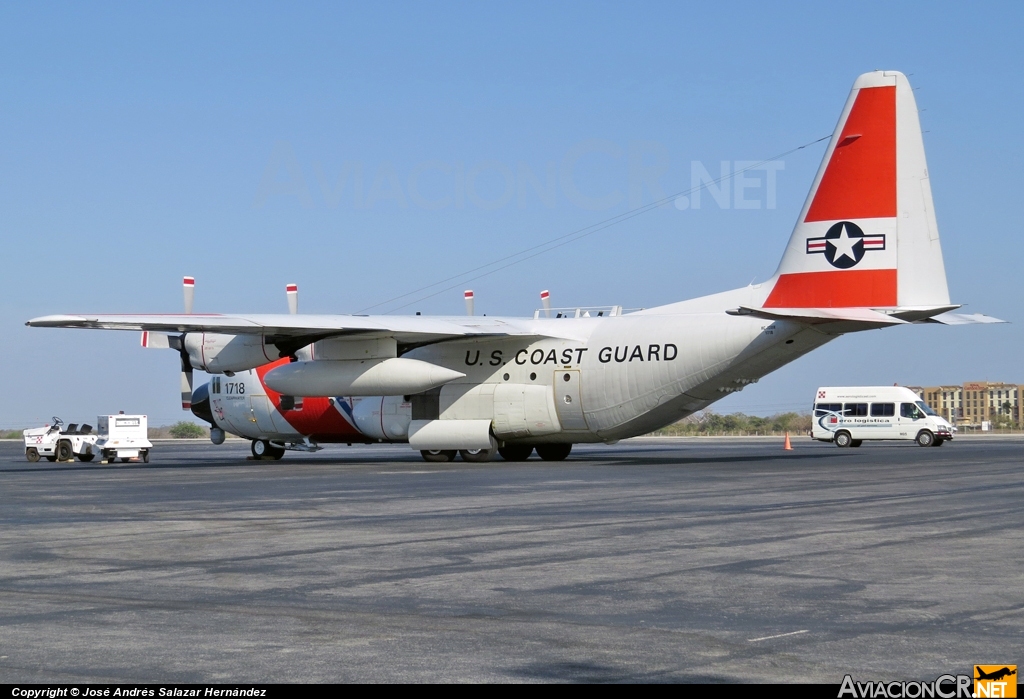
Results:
x,y
823,409
909,410
883,409
855,410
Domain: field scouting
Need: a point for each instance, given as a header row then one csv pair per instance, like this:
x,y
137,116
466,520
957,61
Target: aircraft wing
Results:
x,y
405,329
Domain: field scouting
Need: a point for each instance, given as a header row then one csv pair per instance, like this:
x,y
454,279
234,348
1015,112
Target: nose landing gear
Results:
x,y
263,449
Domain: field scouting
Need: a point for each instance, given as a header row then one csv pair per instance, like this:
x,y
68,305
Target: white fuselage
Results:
x,y
616,377
596,379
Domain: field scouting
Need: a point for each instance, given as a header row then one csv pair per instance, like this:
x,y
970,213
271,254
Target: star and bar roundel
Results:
x,y
845,244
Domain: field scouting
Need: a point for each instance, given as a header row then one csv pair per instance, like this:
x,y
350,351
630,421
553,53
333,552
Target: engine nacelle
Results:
x,y
217,354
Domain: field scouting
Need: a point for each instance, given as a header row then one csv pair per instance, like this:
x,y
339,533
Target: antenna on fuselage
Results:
x,y
468,295
545,300
292,292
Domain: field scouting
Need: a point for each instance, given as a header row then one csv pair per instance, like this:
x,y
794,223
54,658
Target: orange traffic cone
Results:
x,y
788,446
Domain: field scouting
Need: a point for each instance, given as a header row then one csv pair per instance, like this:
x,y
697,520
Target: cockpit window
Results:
x,y
911,411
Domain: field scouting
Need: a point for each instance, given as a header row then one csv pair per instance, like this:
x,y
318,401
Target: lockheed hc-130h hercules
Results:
x,y
864,254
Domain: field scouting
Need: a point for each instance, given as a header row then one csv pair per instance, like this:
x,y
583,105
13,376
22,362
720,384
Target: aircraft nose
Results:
x,y
201,404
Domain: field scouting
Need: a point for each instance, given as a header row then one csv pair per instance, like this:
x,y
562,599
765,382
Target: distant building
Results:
x,y
975,402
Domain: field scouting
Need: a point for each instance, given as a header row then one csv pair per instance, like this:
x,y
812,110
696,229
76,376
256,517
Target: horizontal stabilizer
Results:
x,y
816,316
961,319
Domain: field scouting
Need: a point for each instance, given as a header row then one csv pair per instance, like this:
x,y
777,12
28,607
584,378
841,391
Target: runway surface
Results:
x,y
651,560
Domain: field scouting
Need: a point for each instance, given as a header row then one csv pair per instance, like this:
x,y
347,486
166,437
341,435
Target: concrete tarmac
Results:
x,y
653,560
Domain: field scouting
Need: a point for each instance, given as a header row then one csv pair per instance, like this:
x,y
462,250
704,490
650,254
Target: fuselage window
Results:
x,y
823,409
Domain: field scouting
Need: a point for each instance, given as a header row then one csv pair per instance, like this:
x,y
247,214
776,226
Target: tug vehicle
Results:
x,y
57,443
123,437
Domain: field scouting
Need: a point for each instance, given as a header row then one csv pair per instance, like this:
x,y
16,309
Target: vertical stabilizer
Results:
x,y
867,235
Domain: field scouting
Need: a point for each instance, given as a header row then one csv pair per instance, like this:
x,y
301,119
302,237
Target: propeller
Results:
x,y
189,288
189,285
468,295
545,299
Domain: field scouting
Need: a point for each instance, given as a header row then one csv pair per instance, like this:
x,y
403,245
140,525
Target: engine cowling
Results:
x,y
215,353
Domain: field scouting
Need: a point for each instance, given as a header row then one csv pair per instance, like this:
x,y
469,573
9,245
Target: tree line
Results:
x,y
709,424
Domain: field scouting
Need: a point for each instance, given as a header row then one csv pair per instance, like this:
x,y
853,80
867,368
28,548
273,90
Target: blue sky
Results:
x,y
141,142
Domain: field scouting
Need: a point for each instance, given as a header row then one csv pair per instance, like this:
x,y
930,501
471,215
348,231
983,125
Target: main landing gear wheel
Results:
x,y
939,442
925,438
515,452
856,442
553,452
86,457
32,454
438,455
262,449
477,456
843,439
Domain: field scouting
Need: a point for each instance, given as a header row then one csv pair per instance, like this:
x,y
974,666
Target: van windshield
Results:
x,y
925,407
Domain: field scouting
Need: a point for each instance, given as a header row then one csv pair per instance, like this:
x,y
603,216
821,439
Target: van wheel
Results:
x,y
856,442
553,452
843,439
438,456
477,456
925,438
515,452
64,452
32,454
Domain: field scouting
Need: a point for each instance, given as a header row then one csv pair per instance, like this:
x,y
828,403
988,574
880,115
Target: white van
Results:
x,y
850,414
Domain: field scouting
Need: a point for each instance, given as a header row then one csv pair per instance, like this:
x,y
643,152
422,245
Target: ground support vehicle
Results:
x,y
57,443
123,437
848,415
